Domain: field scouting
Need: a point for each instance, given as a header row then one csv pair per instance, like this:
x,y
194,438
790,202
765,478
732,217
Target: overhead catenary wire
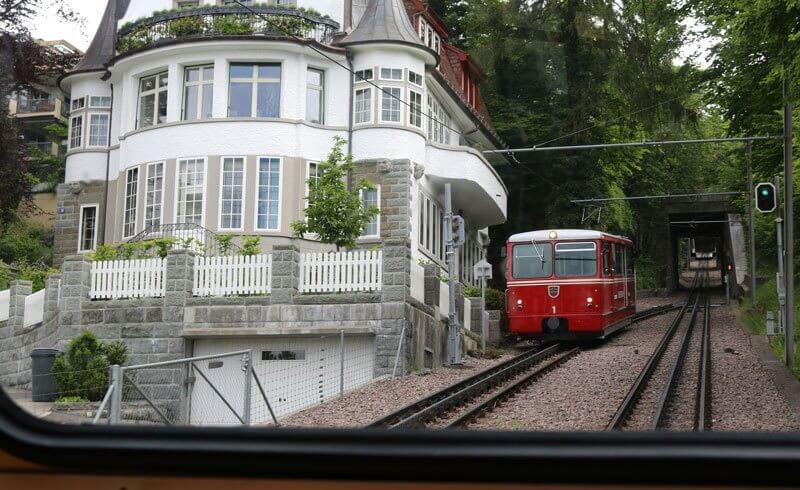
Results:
x,y
421,112
601,146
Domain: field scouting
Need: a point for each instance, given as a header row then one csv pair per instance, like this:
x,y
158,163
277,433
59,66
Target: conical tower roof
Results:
x,y
103,46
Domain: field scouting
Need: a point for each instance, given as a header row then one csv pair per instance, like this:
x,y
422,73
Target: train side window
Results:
x,y
606,259
618,259
629,260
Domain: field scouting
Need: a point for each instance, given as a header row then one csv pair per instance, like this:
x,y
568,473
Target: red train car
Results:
x,y
569,284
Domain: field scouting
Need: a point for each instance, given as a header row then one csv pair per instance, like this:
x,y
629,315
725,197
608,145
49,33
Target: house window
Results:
x,y
431,219
438,123
232,199
87,234
154,196
269,193
76,132
390,104
372,197
131,197
415,114
78,103
191,190
98,130
255,90
152,100
313,173
198,92
362,75
363,106
315,80
415,78
99,102
391,73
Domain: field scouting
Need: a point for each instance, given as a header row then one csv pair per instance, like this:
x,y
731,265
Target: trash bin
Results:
x,y
43,385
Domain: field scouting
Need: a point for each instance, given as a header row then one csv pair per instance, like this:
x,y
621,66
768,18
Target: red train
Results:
x,y
569,284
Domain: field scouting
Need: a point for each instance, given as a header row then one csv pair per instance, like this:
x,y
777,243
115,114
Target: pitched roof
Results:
x,y
384,21
103,45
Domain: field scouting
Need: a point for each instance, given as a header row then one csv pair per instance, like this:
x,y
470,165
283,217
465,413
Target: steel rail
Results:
x,y
638,386
703,410
660,411
507,368
464,390
509,391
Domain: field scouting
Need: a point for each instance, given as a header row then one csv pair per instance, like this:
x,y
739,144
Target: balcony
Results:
x,y
217,22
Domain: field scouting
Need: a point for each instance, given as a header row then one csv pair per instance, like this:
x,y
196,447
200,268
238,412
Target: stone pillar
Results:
x,y
178,283
65,228
396,270
460,304
476,314
395,290
51,294
76,283
493,327
432,288
18,290
285,274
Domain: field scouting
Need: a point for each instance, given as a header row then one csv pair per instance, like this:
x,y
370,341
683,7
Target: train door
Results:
x,y
619,282
630,277
608,276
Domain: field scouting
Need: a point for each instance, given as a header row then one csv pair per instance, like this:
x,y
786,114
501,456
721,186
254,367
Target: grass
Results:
x,y
755,318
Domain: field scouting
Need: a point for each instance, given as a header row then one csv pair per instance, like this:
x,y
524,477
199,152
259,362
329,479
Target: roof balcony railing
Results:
x,y
220,22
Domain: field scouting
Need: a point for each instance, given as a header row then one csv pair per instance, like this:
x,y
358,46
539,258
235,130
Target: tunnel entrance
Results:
x,y
697,242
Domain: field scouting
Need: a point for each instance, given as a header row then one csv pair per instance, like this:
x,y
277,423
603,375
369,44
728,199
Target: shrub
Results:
x,y
164,245
71,399
232,26
83,370
104,252
251,245
26,241
186,26
5,277
37,274
224,242
495,299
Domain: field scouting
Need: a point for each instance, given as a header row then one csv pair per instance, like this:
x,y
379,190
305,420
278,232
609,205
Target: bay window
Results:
x,y
198,92
269,193
98,130
131,199
415,112
152,100
76,132
315,100
255,90
431,219
191,190
154,195
232,195
362,113
390,104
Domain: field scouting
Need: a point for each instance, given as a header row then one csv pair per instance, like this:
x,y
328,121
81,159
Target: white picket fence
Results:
x,y
232,275
138,278
5,299
333,272
34,309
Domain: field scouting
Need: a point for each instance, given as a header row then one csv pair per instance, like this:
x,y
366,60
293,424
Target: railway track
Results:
x,y
468,399
666,398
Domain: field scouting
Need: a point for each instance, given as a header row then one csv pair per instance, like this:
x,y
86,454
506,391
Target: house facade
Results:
x,y
210,113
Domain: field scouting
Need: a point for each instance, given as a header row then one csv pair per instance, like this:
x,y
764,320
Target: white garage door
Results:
x,y
295,373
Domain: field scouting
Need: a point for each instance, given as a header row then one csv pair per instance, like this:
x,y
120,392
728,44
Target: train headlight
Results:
x,y
519,302
589,300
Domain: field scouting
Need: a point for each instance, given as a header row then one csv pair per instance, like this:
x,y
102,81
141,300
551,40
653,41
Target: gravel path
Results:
x,y
364,405
743,396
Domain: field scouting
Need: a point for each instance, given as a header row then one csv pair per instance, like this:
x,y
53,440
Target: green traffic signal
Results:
x,y
766,201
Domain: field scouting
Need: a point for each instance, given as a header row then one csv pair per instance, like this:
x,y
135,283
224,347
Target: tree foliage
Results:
x,y
335,213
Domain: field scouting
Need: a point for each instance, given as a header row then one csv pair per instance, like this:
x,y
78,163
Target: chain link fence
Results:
x,y
277,377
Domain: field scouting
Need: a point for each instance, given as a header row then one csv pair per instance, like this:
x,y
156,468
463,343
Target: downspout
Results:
x,y
350,115
108,165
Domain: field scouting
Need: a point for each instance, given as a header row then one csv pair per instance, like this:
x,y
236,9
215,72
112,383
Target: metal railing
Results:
x,y
190,236
210,22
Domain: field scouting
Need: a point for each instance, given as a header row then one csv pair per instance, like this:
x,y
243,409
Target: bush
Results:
x,y
25,241
495,299
104,252
5,277
37,274
232,26
83,370
186,26
71,399
251,245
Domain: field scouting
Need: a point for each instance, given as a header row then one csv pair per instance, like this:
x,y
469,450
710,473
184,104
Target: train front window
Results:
x,y
576,259
532,260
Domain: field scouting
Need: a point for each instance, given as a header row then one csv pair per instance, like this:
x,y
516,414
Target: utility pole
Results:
x,y
780,282
788,186
752,226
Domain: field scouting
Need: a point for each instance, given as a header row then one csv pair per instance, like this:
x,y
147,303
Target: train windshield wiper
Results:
x,y
539,253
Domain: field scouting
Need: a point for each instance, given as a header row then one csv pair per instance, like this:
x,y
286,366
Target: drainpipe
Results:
x,y
350,115
108,166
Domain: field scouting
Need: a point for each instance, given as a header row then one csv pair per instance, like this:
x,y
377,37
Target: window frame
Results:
x,y
280,192
242,200
412,112
201,83
147,193
377,217
254,81
400,99
370,98
71,134
550,250
126,198
321,90
105,135
415,74
81,225
431,209
356,76
82,105
204,187
595,249
157,90
96,106
391,70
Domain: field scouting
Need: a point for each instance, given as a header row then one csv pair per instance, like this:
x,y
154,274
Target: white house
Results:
x,y
207,112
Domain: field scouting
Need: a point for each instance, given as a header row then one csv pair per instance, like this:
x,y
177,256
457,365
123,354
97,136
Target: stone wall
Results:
x,y
69,198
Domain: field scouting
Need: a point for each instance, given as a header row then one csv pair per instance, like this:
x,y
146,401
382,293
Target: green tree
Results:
x,y
335,213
